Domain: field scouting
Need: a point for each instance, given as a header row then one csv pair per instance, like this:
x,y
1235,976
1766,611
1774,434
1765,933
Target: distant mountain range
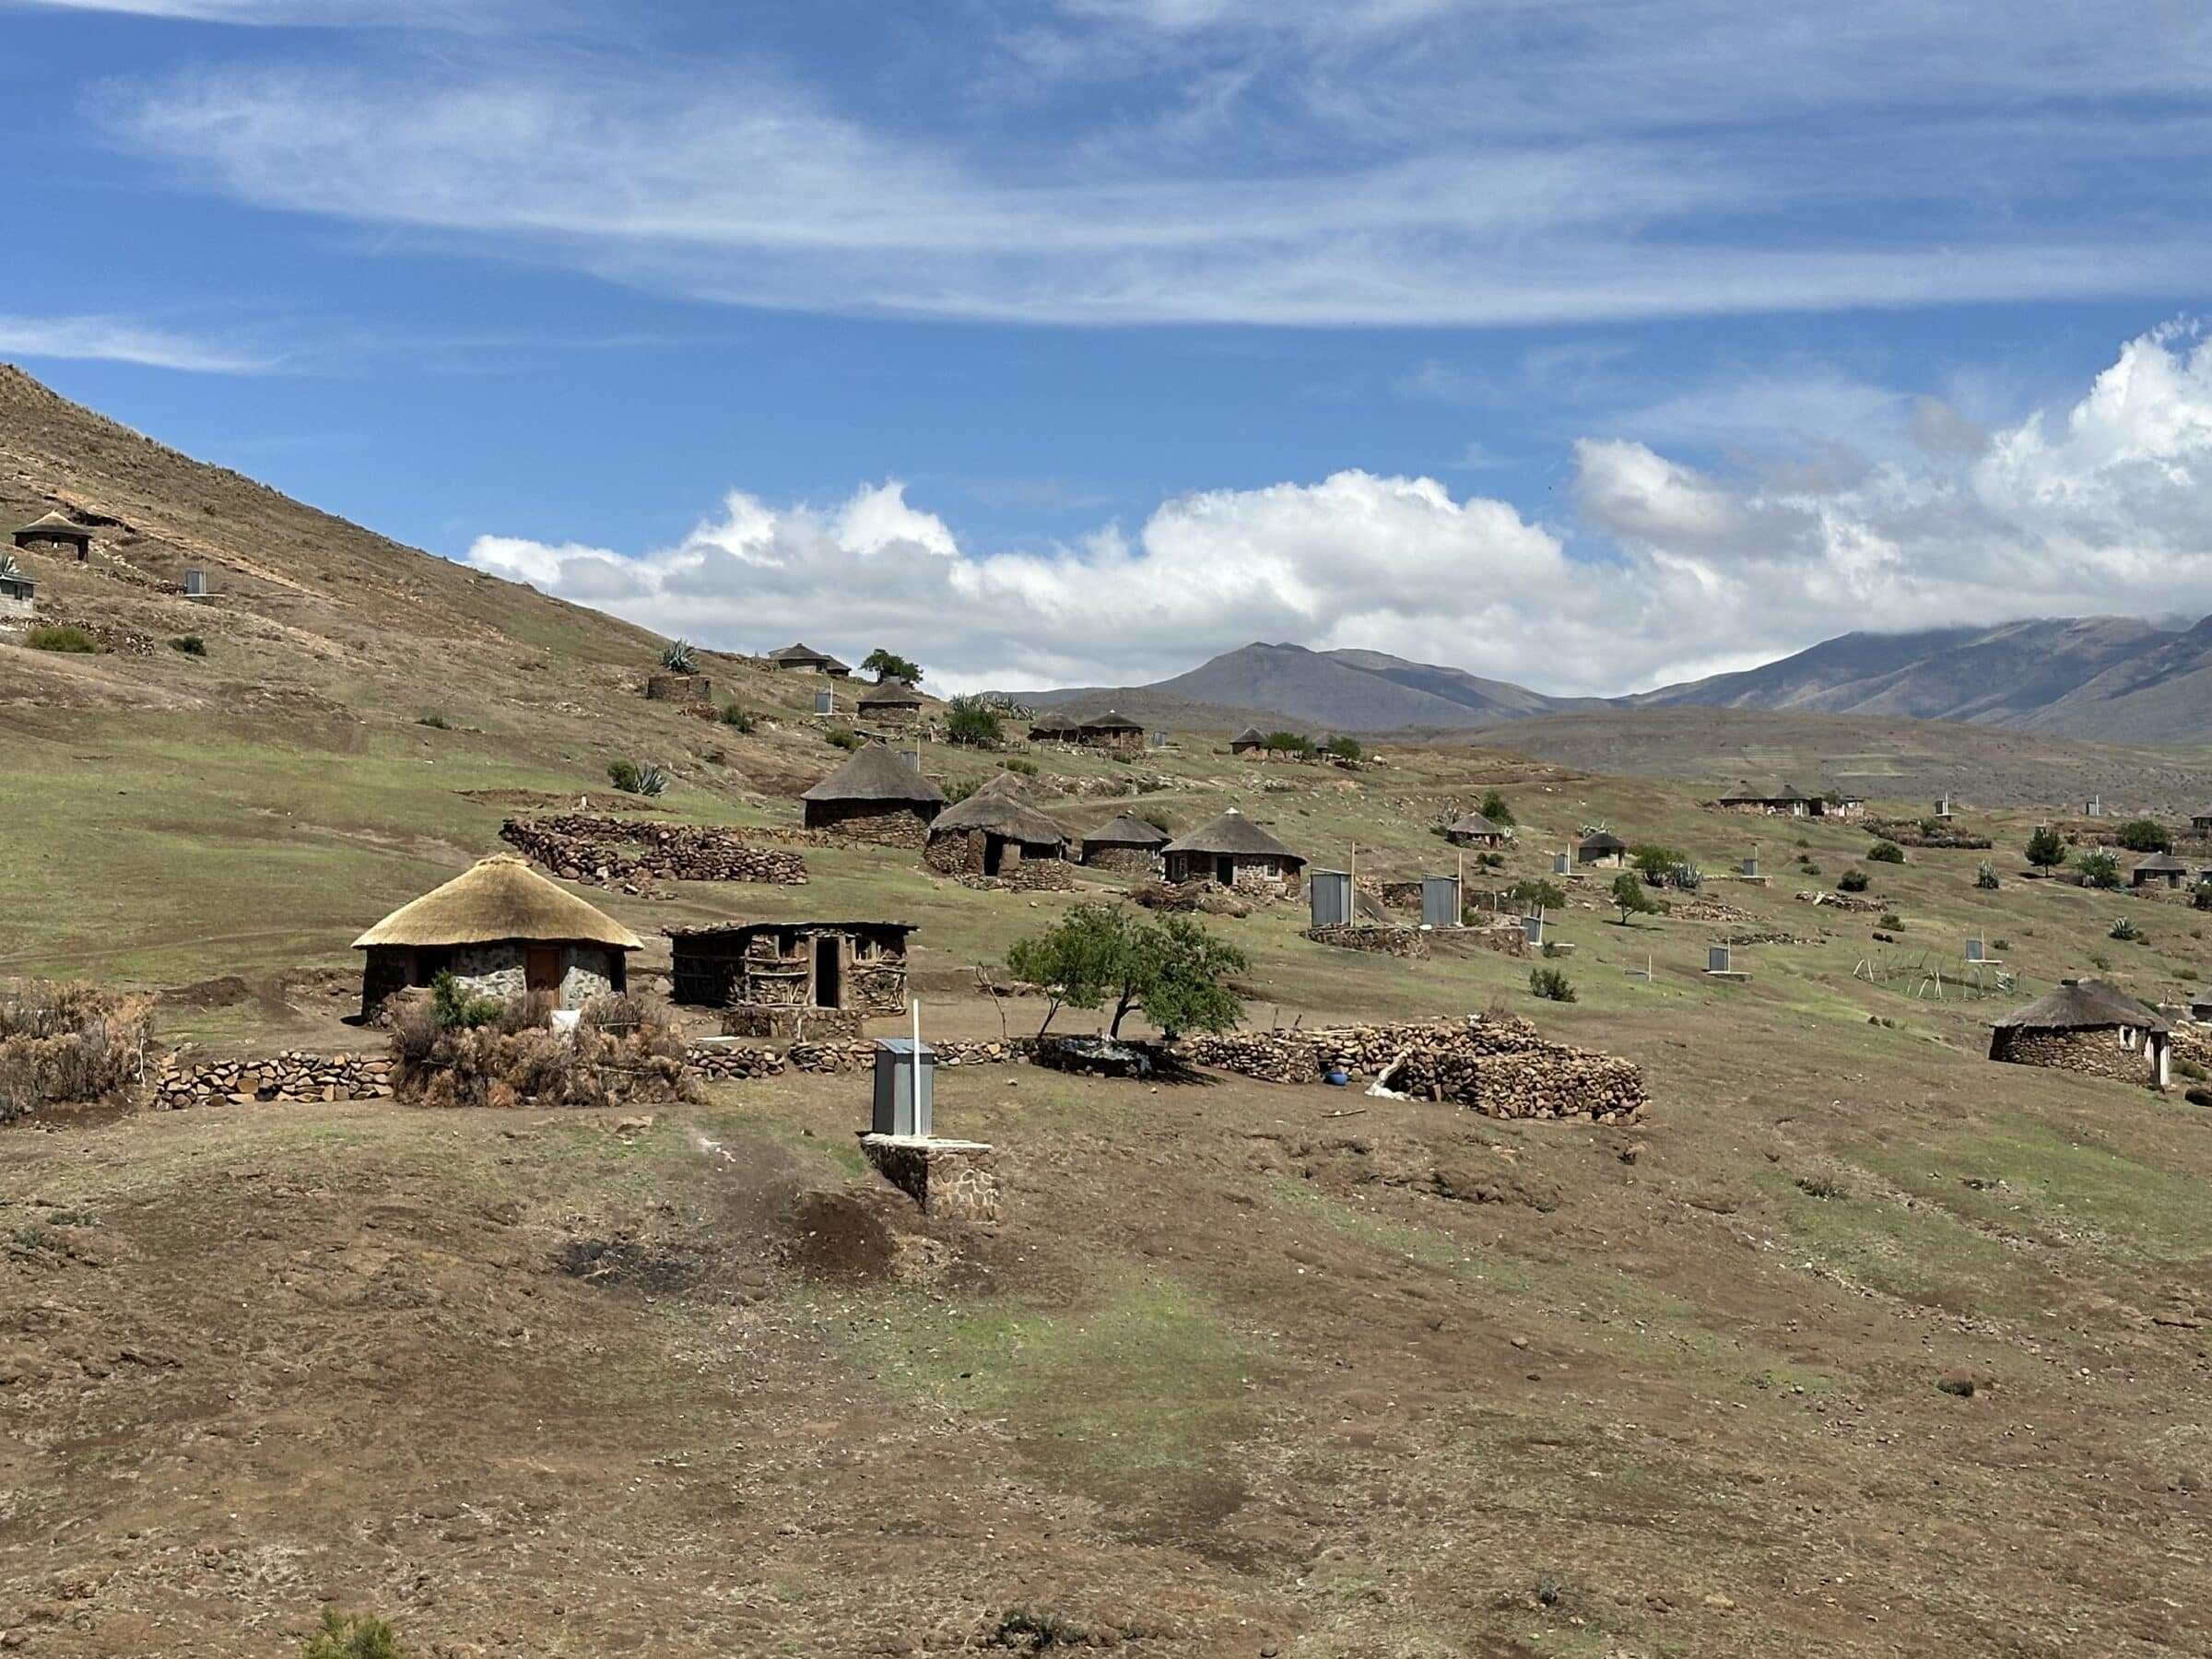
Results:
x,y
2109,677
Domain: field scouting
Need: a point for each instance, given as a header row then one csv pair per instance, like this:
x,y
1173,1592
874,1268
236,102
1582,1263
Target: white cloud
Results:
x,y
327,13
2108,509
120,340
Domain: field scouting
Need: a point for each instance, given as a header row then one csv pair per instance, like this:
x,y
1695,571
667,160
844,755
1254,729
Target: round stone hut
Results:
x,y
53,533
501,929
1237,853
1126,843
875,797
996,832
891,703
1473,830
2087,1026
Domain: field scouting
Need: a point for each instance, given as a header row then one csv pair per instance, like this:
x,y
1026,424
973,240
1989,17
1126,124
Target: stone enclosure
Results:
x,y
600,848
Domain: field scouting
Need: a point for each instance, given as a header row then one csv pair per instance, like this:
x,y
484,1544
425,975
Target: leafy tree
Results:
x,y
1885,851
1852,881
1629,897
970,721
2045,850
885,664
1345,748
2146,835
2098,869
1289,743
1497,811
1172,970
1655,864
1538,895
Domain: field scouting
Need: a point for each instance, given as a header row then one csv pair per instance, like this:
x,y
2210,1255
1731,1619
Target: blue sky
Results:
x,y
1587,343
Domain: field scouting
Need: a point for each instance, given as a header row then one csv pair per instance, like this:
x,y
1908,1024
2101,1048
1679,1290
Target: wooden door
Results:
x,y
541,968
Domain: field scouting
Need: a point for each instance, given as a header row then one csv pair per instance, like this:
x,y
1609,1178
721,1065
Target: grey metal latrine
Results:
x,y
1331,892
1439,901
905,1071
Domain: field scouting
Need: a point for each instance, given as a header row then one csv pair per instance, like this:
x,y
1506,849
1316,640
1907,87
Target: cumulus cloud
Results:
x,y
1668,572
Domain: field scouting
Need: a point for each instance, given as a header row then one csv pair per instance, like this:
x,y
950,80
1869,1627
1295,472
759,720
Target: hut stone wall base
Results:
x,y
2097,1054
790,1022
1126,860
870,822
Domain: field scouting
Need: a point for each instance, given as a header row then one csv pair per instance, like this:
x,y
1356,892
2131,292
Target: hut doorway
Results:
x,y
541,968
1224,870
995,856
828,986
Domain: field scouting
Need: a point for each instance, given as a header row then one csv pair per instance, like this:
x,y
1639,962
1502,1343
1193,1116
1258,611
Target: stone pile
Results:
x,y
1383,938
1497,1064
1856,904
290,1077
741,1063
593,847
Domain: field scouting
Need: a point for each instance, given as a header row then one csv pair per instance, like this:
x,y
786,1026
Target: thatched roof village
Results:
x,y
991,832
501,929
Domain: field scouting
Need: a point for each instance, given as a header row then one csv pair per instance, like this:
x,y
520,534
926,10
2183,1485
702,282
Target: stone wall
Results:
x,y
951,1181
1126,860
597,848
890,826
2099,1054
1255,873
1380,938
741,1063
1495,1064
1908,833
290,1077
689,688
791,1022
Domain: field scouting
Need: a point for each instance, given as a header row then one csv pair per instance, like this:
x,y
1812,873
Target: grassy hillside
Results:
x,y
1245,1370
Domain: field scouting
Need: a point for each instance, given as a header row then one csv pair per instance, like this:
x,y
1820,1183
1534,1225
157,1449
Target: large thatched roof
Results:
x,y
802,652
1112,721
2161,864
499,898
1474,824
874,773
54,523
2089,1004
890,694
998,807
1127,829
1233,832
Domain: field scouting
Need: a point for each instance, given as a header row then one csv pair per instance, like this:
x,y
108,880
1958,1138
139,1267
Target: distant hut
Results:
x,y
875,797
1603,849
2158,866
891,701
1235,852
1247,740
1109,731
2201,822
1474,831
501,929
806,658
791,979
53,533
2087,1026
996,832
18,592
1124,842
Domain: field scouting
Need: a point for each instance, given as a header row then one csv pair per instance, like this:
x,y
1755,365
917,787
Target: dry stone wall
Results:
x,y
290,1075
739,1063
1382,938
592,847
2099,1054
1497,1064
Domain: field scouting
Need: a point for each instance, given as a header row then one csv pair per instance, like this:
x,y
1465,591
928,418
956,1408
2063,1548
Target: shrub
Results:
x,y
2103,964
1289,743
1820,1186
1985,877
2045,850
1490,861
1537,894
972,722
358,1638
678,658
621,1051
2000,946
1802,842
1808,868
454,1007
843,737
1551,984
2200,894
68,1045
1656,862
190,645
2146,835
1893,922
1853,881
2098,869
1686,877
1158,820
632,779
1345,748
1885,851
437,722
1020,766
1494,807
739,719
2126,931
1930,826
63,636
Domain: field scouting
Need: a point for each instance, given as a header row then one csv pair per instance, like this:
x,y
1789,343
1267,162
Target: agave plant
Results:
x,y
678,658
8,567
651,781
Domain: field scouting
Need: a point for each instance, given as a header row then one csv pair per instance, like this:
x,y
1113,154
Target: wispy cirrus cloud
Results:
x,y
124,340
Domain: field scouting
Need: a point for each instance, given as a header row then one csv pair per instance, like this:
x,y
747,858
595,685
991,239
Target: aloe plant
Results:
x,y
8,567
651,781
678,658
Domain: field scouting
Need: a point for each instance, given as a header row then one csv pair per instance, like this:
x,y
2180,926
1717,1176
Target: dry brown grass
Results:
x,y
70,1044
624,1051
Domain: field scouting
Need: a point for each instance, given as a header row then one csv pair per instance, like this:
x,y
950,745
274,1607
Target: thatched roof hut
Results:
x,y
499,898
997,807
995,832
1232,832
805,656
2158,866
1603,848
2087,1026
501,929
1474,828
55,530
1127,829
889,693
1245,741
2091,1004
876,795
1235,852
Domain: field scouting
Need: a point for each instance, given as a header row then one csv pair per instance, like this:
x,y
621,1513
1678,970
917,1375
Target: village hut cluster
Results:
x,y
877,795
996,833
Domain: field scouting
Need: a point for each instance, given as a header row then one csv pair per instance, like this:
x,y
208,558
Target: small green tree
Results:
x,y
1537,894
1655,864
2146,835
2046,851
1345,748
1629,897
885,665
971,722
1551,983
1852,881
1494,807
2099,868
360,1637
1885,851
1172,969
1288,743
